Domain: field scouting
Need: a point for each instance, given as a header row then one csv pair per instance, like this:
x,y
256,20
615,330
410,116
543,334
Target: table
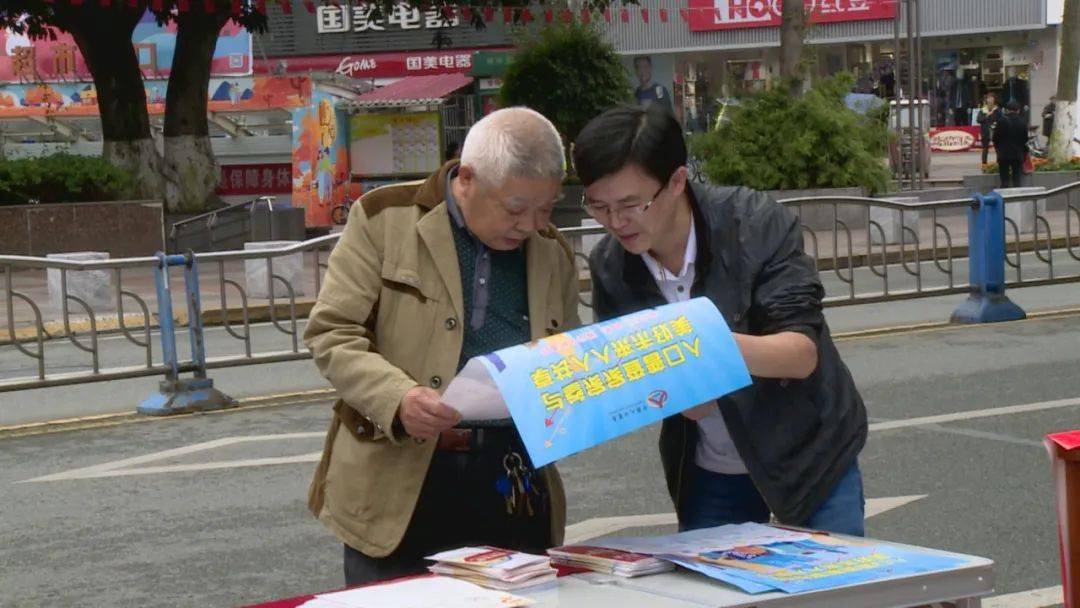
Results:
x,y
960,587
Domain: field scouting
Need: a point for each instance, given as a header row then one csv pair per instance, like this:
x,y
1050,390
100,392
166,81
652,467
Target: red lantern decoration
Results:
x,y
466,14
260,5
286,6
663,15
209,6
567,16
309,5
489,13
624,15
183,5
645,15
607,15
586,16
549,15
685,15
508,14
526,16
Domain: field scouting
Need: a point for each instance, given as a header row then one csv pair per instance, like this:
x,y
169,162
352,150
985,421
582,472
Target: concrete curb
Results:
x,y
110,324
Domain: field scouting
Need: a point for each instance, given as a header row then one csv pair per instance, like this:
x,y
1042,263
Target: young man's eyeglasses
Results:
x,y
603,212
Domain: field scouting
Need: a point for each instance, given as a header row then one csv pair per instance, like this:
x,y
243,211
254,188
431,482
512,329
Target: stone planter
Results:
x,y
1023,213
892,225
94,287
819,217
986,183
121,228
289,267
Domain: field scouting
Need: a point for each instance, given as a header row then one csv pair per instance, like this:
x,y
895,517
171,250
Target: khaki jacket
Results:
x,y
389,317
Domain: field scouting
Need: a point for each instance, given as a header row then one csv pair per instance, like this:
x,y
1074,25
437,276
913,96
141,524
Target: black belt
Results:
x,y
477,439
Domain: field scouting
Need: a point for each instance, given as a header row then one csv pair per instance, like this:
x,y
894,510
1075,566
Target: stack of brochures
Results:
x,y
609,561
494,568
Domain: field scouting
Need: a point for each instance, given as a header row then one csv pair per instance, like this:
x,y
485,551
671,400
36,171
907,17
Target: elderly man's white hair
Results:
x,y
514,143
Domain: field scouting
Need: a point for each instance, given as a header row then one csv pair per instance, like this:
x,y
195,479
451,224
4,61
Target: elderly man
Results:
x,y
427,275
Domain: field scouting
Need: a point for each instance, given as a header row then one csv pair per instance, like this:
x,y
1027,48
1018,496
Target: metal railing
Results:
x,y
213,221
867,250
874,249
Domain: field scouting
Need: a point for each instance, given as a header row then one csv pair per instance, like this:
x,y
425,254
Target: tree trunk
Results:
x,y
104,38
792,31
191,172
1062,145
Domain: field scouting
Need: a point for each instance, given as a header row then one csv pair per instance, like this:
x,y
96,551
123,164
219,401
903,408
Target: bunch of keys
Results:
x,y
516,486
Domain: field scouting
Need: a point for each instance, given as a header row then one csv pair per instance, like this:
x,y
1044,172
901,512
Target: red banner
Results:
x,y
378,65
255,180
707,15
955,139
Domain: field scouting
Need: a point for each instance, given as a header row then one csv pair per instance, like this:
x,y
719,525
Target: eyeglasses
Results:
x,y
603,212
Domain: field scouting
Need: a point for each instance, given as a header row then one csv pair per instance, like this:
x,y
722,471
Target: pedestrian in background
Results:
x,y
1010,145
988,116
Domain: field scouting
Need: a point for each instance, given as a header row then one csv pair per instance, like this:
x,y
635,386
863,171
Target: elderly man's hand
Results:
x,y
424,415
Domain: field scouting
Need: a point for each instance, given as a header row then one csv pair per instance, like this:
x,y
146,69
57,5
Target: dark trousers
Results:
x,y
985,148
1010,171
459,506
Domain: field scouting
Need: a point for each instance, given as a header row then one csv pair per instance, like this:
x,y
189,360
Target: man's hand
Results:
x,y
424,415
701,411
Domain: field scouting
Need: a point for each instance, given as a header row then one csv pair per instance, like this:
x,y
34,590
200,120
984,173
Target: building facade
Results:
x,y
712,50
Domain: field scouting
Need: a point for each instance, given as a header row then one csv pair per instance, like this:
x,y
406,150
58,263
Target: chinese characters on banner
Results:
x,y
380,65
331,19
255,180
708,15
572,391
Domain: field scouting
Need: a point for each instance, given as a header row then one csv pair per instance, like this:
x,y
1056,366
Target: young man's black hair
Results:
x,y
650,138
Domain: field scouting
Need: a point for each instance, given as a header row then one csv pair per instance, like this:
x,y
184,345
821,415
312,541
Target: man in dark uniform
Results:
x,y
649,92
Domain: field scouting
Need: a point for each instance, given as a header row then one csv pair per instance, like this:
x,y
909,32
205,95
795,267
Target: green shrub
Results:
x,y
62,178
780,141
568,73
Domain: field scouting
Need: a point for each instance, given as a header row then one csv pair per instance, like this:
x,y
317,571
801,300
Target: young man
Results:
x,y
649,92
788,444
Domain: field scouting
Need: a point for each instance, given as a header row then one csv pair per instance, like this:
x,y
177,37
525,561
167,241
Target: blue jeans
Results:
x,y
715,499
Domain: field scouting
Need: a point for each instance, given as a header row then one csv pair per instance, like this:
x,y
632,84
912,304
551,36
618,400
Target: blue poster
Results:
x,y
799,567
572,391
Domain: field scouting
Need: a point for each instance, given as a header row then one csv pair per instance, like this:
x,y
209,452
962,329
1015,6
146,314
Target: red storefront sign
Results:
x,y
707,15
954,139
377,65
255,180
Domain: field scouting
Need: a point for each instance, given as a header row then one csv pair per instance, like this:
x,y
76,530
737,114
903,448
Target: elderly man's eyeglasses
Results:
x,y
603,212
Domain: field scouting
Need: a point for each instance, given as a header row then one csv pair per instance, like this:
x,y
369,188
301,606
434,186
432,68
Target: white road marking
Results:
x,y
877,506
602,526
973,414
119,468
1036,598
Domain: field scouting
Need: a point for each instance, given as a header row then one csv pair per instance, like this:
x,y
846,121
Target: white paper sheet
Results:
x,y
427,592
474,395
694,542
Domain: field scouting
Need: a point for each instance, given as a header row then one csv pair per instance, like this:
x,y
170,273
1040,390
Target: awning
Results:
x,y
414,91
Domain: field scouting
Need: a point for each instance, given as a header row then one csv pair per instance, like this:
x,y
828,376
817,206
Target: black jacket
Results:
x,y
987,120
1048,119
796,437
1010,137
